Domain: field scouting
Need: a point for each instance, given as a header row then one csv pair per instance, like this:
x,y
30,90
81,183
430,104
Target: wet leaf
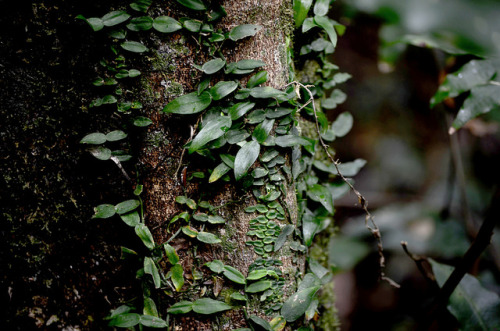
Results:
x,y
245,158
191,103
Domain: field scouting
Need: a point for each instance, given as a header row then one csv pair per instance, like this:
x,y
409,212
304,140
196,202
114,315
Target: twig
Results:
x,y
119,165
373,228
183,150
420,261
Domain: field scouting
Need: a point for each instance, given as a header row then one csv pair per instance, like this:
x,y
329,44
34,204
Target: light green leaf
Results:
x,y
475,307
125,320
278,324
262,323
245,158
191,103
133,46
207,306
300,10
240,109
222,89
311,225
152,321
234,275
193,4
215,219
115,18
143,23
266,92
216,266
101,153
104,211
208,238
259,286
257,79
181,307
238,296
257,274
243,31
166,24
291,140
297,304
131,219
143,232
95,138
327,25
348,169
191,25
321,7
308,24
127,206
172,256
215,128
177,276
150,307
189,231
337,97
261,131
342,124
482,99
249,64
218,172
151,269
321,194
212,66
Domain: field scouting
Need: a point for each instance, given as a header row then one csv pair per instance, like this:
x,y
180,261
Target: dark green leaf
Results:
x,y
127,206
116,135
133,46
150,307
213,66
151,269
95,138
152,321
209,306
123,309
265,92
280,241
181,307
104,211
216,266
95,23
300,10
215,219
177,276
172,256
327,25
193,4
291,140
259,172
249,64
261,132
222,89
115,18
259,286
215,128
142,121
257,274
256,116
208,238
321,7
238,296
143,23
297,304
101,153
143,232
245,158
321,194
243,31
166,24
191,103
278,112
141,5
482,99
191,25
257,79
131,219
125,320
240,109
261,322
234,275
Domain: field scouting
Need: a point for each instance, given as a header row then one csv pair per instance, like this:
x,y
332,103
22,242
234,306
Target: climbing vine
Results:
x,y
267,140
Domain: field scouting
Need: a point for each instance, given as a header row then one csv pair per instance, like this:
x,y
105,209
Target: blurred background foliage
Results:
x,y
423,185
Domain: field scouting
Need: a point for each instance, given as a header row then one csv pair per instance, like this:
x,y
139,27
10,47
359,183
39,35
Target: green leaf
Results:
x,y
278,324
243,31
280,241
189,231
249,64
95,138
218,172
297,304
191,25
234,275
327,25
337,97
172,256
216,266
261,132
104,211
300,10
142,121
342,124
238,296
141,5
475,307
213,129
115,18
257,274
181,307
245,158
259,172
222,89
208,238
240,109
259,286
143,232
355,251
152,321
151,269
117,34
150,307
482,99
212,66
291,140
321,7
321,194
131,219
191,103
278,112
262,323
257,79
95,23
193,4
265,92
177,276
215,219
101,153
308,24
125,320
143,23
116,135
133,46
166,24
208,306
127,206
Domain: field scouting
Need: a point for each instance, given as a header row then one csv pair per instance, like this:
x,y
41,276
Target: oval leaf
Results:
x,y
193,4
104,211
181,307
259,286
297,304
166,24
212,66
172,256
143,232
208,238
152,321
218,172
243,31
116,135
245,158
234,275
257,79
209,306
115,18
191,103
95,138
126,206
177,276
125,320
133,46
222,89
212,130
151,269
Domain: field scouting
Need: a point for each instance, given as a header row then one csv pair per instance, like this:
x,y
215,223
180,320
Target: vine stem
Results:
x,y
369,221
